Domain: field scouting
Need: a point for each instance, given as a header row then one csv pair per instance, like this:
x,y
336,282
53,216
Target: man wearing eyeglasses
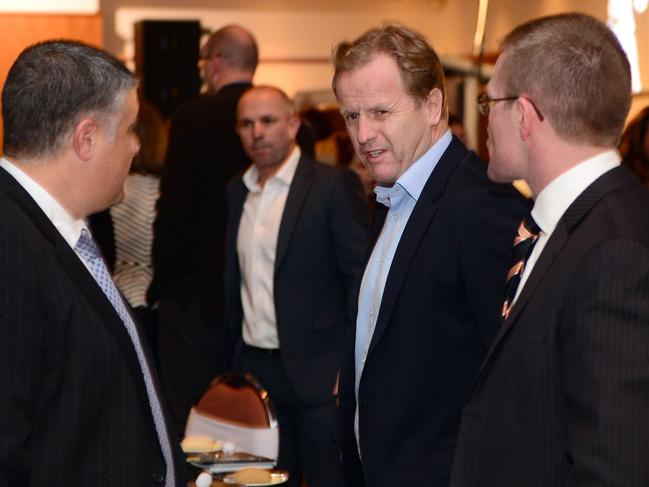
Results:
x,y
563,395
431,293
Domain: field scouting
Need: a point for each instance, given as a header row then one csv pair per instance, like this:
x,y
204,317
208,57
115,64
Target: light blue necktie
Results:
x,y
87,248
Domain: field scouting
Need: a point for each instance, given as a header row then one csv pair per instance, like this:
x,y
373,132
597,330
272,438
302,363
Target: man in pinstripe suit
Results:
x,y
79,400
562,397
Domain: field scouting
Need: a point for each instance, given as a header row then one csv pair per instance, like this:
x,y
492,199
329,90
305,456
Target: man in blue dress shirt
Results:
x,y
429,301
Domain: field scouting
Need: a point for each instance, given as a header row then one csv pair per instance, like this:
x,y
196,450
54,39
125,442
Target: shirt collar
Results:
x,y
415,177
391,196
284,175
67,226
553,201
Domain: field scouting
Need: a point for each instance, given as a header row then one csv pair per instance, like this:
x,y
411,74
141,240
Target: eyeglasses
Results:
x,y
485,102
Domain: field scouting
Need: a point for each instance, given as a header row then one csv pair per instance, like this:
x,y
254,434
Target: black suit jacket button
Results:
x,y
158,477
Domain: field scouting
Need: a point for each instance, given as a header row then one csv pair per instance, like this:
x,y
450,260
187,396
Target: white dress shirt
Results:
x,y
68,227
256,249
553,201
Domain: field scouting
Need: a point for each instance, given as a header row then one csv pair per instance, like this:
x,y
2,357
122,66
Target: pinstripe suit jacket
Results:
x,y
562,397
73,404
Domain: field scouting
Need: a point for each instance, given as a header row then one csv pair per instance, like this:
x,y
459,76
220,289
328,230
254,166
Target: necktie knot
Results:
x,y
526,237
86,246
528,230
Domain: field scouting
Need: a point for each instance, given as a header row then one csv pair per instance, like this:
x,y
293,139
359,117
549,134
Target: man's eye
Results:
x,y
380,114
350,117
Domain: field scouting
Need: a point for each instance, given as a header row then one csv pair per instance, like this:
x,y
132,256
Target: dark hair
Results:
x,y
575,71
633,145
235,45
152,132
420,68
51,86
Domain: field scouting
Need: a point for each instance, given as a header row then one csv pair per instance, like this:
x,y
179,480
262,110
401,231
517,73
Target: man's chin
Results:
x,y
119,198
495,176
384,181
382,178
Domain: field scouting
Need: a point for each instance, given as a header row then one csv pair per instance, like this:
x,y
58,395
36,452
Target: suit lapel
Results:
x,y
78,273
300,185
235,203
549,254
613,180
418,223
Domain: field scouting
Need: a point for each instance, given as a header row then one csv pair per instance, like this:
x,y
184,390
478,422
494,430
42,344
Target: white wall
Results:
x,y
50,6
295,40
298,31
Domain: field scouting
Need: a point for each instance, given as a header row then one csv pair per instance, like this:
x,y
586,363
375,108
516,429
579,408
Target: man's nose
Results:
x,y
257,130
365,131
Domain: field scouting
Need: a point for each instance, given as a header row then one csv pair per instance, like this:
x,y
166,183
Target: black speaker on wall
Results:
x,y
166,61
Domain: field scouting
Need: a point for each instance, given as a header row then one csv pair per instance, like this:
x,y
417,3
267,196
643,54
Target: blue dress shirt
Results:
x,y
401,199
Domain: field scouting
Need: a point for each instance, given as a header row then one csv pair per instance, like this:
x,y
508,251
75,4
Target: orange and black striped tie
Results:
x,y
528,234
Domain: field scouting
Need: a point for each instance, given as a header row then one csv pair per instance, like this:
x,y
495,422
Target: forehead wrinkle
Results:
x,y
370,91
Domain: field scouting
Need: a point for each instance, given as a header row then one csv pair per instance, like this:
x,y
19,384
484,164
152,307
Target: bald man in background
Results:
x,y
204,153
296,238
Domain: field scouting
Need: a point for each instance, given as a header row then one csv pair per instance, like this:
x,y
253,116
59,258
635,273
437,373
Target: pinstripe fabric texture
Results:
x,y
87,248
133,225
563,395
73,404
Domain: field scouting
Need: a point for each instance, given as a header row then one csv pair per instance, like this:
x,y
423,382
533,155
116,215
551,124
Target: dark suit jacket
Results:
x,y
320,250
438,315
204,153
73,404
563,395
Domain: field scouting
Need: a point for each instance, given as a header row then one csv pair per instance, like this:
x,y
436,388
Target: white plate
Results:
x,y
276,478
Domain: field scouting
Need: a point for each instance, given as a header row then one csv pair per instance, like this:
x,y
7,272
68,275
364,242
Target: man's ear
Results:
x,y
215,67
83,138
527,116
435,104
294,126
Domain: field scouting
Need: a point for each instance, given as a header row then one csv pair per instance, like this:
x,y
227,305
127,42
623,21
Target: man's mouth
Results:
x,y
373,154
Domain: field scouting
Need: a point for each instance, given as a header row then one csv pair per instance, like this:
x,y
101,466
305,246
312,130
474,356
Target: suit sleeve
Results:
x,y
349,221
604,339
22,378
488,230
176,207
233,312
